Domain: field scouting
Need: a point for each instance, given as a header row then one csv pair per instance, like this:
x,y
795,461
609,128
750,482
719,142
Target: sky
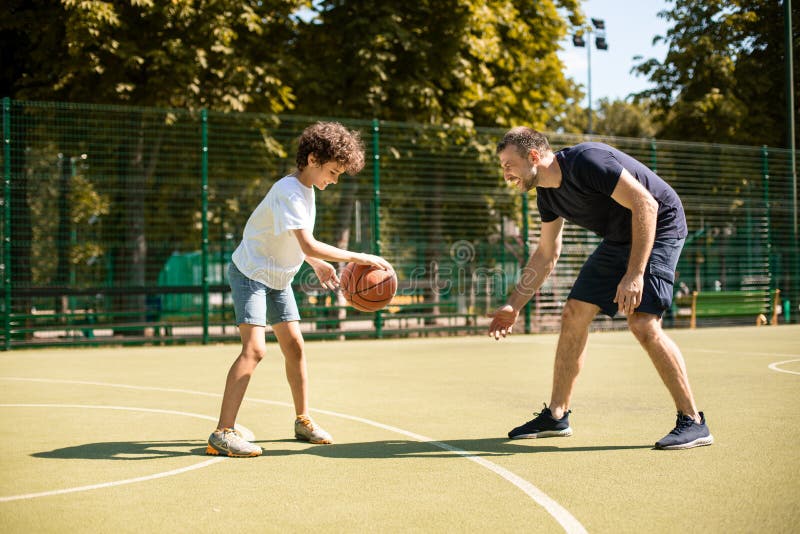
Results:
x,y
630,28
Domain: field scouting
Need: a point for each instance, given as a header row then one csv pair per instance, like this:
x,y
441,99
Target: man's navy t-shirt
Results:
x,y
589,174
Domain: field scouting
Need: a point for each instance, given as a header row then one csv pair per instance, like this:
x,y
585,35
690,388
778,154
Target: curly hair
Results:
x,y
524,139
330,141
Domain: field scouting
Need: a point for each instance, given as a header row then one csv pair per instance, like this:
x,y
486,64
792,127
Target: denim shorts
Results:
x,y
602,272
258,304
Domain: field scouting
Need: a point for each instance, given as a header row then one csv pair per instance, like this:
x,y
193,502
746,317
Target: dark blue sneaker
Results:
x,y
544,425
687,434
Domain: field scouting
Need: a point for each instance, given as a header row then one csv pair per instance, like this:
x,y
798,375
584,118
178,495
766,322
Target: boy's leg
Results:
x,y
290,339
253,350
667,359
570,354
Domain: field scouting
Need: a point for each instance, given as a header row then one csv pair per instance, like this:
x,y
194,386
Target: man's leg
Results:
x,y
667,358
575,321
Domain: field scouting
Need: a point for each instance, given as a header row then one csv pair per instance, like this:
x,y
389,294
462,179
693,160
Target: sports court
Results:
x,y
112,439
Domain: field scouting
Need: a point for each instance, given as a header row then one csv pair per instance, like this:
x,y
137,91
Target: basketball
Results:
x,y
367,288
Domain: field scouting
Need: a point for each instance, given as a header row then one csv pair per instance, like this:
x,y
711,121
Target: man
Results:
x,y
643,226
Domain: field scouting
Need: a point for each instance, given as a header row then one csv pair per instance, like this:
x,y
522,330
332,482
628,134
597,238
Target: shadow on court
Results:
x,y
126,450
151,450
422,449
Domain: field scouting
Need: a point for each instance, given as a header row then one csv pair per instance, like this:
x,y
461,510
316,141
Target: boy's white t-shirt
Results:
x,y
269,252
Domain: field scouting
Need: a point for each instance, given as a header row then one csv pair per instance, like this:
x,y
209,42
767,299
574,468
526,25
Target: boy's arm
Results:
x,y
317,249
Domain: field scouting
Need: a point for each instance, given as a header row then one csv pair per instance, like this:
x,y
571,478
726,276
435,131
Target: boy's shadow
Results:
x,y
386,449
126,450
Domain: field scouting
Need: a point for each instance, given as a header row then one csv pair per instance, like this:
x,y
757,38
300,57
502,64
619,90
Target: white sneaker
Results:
x,y
307,430
229,442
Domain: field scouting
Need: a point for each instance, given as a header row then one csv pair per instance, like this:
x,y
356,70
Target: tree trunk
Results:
x,y
130,258
63,232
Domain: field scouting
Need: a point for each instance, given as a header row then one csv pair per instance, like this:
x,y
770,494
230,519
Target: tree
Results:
x,y
723,79
618,118
435,61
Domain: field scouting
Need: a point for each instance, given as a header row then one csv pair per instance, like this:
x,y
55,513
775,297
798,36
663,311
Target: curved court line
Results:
x,y
556,511
163,474
710,351
774,366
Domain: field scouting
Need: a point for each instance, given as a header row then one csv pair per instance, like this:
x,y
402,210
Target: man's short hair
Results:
x,y
330,141
524,139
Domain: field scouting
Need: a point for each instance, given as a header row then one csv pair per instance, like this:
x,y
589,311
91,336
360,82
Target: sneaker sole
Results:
x,y
213,451
545,434
318,442
699,442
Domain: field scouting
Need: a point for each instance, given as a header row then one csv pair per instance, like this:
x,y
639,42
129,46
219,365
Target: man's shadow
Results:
x,y
384,449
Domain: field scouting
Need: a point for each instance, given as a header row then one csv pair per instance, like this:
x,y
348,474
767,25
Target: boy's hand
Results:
x,y
503,320
375,261
326,274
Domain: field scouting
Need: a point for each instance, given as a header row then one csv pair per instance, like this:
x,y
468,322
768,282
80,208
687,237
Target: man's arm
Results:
x,y
540,265
533,275
644,212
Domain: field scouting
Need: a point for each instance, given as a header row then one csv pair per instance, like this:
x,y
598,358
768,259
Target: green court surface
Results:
x,y
112,439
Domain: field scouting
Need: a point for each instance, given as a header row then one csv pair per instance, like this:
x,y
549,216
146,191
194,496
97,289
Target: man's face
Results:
x,y
518,171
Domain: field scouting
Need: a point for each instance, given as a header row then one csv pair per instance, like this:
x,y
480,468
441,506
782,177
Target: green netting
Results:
x,y
118,223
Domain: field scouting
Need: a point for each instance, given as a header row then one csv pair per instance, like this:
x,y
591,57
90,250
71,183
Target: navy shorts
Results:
x,y
259,304
602,272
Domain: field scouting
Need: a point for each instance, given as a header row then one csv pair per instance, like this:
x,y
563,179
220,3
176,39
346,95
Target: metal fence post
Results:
x,y
765,175
525,255
376,209
204,217
7,223
653,156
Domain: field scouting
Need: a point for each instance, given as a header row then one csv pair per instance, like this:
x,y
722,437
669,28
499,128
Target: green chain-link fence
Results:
x,y
118,223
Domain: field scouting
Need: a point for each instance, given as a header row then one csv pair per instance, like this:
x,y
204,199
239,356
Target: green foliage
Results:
x,y
180,53
624,119
723,79
618,118
436,61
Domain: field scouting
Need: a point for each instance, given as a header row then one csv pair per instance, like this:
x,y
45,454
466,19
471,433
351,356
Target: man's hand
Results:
x,y
326,274
503,320
629,293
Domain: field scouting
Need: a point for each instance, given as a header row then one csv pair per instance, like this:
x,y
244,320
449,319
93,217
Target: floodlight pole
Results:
x,y
597,27
589,87
790,132
787,17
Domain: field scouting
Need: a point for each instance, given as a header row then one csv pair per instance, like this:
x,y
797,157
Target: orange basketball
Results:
x,y
367,288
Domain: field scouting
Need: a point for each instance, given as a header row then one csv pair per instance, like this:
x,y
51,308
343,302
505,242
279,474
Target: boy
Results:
x,y
277,239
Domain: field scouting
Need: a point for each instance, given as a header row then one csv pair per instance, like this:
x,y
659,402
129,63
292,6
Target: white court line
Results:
x,y
710,351
558,512
163,474
774,366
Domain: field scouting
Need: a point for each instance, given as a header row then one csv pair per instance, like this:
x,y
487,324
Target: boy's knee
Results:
x,y
293,348
254,352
